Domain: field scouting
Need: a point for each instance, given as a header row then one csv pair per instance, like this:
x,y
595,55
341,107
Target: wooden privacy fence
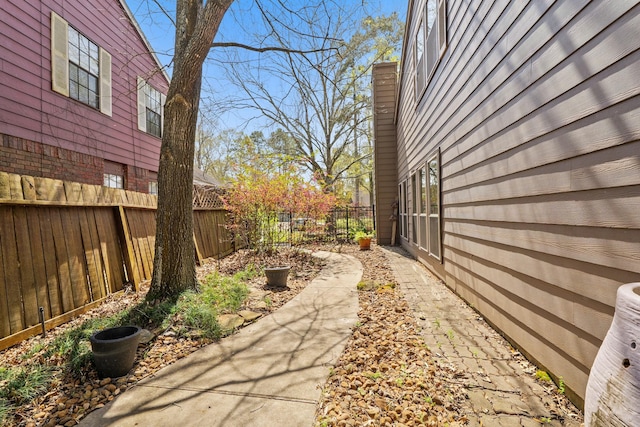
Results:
x,y
66,246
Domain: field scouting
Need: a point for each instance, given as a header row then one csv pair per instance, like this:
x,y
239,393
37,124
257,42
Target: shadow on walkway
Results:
x,y
268,374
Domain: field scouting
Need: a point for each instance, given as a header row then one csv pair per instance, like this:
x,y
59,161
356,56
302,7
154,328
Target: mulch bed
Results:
x,y
386,375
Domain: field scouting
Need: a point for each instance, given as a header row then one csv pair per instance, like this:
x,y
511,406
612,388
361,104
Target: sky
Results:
x,y
238,24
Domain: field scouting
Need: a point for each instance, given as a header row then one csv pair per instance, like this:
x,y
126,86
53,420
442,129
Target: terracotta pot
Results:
x,y
613,390
114,350
277,276
365,243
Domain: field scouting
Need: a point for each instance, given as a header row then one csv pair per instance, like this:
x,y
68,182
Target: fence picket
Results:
x,y
77,261
129,251
51,267
5,322
11,271
143,238
25,263
63,256
93,272
38,256
111,250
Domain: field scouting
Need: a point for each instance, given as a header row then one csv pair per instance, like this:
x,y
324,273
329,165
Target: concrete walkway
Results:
x,y
500,384
268,374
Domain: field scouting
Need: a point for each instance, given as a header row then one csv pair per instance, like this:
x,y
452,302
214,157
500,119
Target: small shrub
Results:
x,y
218,294
20,385
363,234
365,285
249,272
543,376
199,315
73,346
225,293
148,314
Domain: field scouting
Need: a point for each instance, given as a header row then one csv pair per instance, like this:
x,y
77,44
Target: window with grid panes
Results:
x,y
153,106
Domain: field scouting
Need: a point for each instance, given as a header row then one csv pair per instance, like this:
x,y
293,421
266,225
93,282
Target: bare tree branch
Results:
x,y
271,48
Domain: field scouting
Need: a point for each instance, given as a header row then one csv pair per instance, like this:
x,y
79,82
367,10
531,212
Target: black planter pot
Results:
x,y
114,350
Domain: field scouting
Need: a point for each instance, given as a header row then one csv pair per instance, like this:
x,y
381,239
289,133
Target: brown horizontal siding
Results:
x,y
535,108
617,167
557,331
576,243
614,207
602,130
502,100
599,92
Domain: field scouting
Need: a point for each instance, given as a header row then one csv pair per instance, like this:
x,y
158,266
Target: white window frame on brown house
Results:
x,y
434,201
406,211
60,67
418,57
414,209
421,194
404,221
430,42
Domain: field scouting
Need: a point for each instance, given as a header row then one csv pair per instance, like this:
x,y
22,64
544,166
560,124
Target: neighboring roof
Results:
x,y
144,38
202,178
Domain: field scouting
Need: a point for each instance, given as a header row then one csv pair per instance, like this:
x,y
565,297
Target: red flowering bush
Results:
x,y
266,205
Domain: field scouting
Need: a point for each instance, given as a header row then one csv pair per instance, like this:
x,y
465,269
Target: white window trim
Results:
x,y
402,210
153,187
415,235
406,210
419,59
60,64
423,207
142,105
435,156
109,178
440,27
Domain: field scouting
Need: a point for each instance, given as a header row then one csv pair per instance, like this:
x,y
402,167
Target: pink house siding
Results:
x,y
30,110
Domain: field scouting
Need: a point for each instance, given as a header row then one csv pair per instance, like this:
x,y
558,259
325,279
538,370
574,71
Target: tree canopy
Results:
x,y
320,100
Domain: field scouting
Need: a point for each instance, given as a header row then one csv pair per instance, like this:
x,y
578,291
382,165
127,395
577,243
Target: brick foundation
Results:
x,y
24,157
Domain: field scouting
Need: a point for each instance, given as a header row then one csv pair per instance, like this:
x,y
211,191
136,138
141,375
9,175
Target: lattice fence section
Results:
x,y
207,197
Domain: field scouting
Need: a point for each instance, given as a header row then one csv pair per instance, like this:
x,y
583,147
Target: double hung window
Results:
x,y
414,208
425,207
150,108
80,69
433,167
402,198
430,42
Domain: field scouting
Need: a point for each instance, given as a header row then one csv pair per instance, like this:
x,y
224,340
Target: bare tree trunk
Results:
x,y
174,262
